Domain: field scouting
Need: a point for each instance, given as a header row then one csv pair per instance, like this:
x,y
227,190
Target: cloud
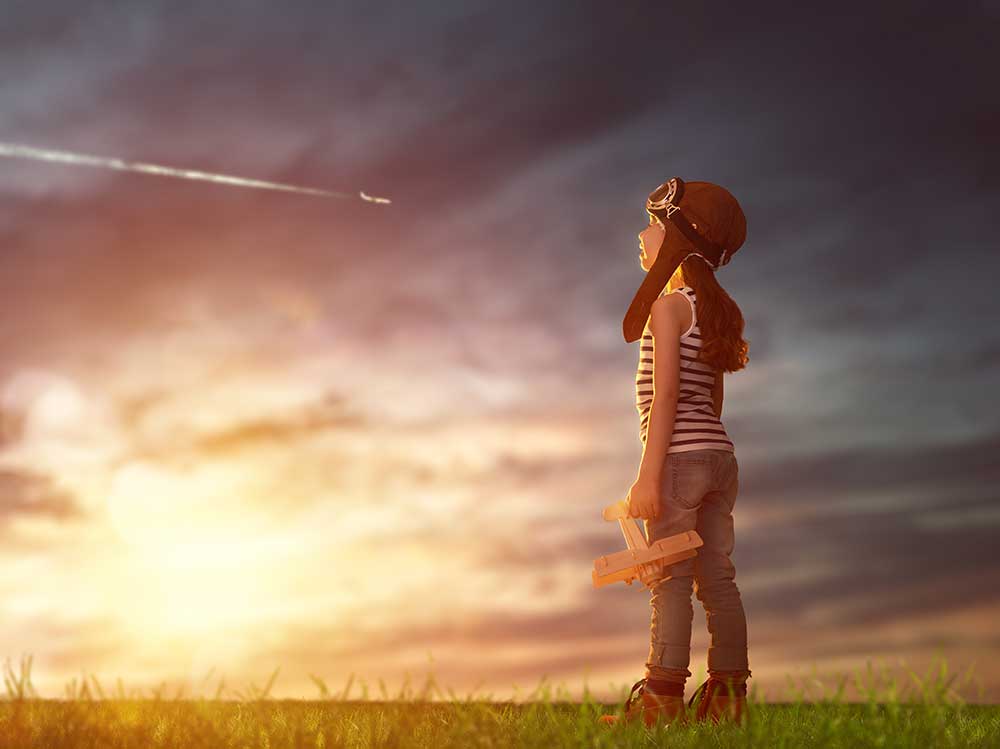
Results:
x,y
332,413
28,494
944,467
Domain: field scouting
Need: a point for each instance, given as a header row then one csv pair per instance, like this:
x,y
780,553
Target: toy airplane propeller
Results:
x,y
641,560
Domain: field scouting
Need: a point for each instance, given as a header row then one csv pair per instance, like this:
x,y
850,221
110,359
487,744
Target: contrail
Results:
x,y
16,151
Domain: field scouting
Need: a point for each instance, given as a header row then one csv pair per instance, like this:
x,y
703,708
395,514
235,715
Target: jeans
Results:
x,y
697,492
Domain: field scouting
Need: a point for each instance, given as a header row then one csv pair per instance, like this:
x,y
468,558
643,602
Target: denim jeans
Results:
x,y
697,492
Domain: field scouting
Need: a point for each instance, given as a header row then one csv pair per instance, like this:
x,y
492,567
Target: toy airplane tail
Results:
x,y
641,560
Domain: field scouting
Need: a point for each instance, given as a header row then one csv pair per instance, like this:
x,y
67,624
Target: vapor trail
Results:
x,y
13,150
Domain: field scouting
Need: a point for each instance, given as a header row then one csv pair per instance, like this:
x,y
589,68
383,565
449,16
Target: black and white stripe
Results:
x,y
696,427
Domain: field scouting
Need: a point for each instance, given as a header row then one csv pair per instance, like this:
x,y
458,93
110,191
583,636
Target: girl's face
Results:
x,y
650,240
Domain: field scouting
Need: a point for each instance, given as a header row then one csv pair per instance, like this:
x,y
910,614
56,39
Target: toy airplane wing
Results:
x,y
641,559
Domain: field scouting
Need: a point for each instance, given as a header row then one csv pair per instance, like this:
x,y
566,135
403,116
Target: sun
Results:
x,y
199,565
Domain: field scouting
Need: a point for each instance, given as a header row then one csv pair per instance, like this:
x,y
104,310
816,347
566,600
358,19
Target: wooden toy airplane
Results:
x,y
641,560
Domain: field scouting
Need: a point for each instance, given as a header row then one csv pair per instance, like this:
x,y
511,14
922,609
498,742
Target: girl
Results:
x,y
689,477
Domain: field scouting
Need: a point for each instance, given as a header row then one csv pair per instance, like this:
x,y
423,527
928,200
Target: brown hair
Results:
x,y
718,316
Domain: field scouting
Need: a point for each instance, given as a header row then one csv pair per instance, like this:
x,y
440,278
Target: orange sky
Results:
x,y
244,430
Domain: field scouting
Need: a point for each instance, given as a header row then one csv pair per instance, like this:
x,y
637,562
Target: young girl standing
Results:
x,y
689,477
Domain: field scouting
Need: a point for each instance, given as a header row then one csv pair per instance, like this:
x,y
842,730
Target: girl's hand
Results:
x,y
644,498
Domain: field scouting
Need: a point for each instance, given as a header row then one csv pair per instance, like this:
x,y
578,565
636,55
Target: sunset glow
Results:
x,y
249,429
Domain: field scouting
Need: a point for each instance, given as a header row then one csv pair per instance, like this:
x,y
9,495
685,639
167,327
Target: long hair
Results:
x,y
719,317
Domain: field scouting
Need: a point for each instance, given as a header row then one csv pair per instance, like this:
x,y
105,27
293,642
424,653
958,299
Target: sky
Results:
x,y
243,431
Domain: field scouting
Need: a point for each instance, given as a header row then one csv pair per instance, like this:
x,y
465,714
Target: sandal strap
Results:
x,y
633,695
703,694
702,688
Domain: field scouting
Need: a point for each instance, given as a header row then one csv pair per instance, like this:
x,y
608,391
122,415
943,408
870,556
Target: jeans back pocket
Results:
x,y
691,477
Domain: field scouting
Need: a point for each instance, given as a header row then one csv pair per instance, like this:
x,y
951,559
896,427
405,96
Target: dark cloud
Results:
x,y
29,494
952,467
499,628
11,425
987,358
881,568
332,413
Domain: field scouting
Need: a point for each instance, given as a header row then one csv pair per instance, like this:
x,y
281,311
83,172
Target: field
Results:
x,y
925,713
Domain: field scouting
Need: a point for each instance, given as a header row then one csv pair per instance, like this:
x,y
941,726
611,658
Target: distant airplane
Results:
x,y
14,150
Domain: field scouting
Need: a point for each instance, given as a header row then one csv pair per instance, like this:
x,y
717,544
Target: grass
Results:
x,y
927,712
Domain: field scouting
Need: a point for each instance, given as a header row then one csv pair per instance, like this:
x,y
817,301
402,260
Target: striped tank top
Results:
x,y
696,427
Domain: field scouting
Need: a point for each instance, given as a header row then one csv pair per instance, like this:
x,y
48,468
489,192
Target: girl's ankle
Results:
x,y
665,687
735,680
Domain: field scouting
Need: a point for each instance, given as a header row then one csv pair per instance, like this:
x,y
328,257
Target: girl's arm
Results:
x,y
665,323
717,394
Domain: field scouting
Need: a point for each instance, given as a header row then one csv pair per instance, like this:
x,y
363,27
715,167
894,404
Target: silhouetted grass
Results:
x,y
926,712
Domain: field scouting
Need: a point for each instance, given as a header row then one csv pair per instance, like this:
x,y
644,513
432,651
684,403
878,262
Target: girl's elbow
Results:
x,y
665,396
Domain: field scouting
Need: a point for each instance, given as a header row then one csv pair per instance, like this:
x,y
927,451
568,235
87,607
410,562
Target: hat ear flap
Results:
x,y
652,284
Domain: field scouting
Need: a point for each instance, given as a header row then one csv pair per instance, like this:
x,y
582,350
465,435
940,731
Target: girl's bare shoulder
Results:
x,y
668,313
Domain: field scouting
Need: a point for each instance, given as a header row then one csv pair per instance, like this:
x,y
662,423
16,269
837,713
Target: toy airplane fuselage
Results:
x,y
641,560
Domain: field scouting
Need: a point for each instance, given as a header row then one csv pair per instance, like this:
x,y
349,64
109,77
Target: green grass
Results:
x,y
926,712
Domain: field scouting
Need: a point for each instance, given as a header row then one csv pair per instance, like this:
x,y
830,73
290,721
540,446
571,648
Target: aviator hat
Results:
x,y
722,229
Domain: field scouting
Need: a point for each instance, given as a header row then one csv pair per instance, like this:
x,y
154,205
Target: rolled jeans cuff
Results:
x,y
661,673
668,662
